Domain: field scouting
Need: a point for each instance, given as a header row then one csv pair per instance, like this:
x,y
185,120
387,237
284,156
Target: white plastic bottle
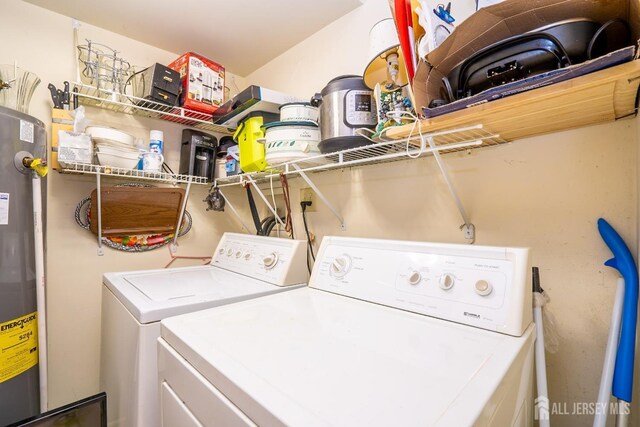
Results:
x,y
156,144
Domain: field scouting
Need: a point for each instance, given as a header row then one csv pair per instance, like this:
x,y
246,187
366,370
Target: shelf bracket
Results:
x,y
174,246
264,199
234,211
322,197
468,229
100,251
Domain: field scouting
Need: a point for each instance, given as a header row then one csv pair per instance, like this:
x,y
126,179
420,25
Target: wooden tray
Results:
x,y
599,97
136,210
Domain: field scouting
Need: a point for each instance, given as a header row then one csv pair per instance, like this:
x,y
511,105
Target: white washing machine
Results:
x,y
387,333
133,303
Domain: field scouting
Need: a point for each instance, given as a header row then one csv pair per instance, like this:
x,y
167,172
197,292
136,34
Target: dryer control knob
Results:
x,y
270,260
446,281
247,256
221,251
229,252
238,254
340,266
483,287
415,278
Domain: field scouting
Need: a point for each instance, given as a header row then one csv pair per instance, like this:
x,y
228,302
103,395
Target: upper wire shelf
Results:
x,y
84,168
122,103
446,141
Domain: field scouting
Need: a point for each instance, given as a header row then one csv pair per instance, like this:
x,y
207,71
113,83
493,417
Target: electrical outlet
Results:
x,y
307,195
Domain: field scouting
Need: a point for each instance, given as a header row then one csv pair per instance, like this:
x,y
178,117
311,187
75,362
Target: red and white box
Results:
x,y
202,82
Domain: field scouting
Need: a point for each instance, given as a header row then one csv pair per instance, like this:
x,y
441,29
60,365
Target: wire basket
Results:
x,y
17,87
103,68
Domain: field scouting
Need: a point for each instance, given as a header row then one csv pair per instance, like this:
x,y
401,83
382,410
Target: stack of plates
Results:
x,y
114,148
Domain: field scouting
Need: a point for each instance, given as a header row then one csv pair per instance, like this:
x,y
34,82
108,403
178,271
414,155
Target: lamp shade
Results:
x,y
383,43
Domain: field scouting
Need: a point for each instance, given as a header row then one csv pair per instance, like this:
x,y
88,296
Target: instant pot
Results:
x,y
346,104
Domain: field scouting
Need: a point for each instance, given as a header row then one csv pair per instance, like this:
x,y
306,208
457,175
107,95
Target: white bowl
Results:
x,y
117,149
128,161
298,112
109,135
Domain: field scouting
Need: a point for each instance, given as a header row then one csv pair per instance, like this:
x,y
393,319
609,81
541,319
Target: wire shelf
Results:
x,y
446,141
122,103
84,168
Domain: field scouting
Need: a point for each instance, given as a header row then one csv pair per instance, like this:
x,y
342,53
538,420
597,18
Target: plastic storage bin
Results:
x,y
252,153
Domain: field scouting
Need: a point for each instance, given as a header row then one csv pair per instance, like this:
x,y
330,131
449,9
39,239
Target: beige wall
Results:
x,y
545,193
42,42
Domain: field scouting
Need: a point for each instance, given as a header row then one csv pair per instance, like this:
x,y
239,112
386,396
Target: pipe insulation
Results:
x,y
40,290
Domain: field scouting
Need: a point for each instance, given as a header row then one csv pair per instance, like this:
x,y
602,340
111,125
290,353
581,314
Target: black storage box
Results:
x,y
160,84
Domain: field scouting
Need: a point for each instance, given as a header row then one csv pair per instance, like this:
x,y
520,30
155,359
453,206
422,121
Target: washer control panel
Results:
x,y
279,261
481,286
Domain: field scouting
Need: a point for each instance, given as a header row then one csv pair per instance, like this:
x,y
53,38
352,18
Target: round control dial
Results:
x,y
229,252
446,281
247,256
221,251
414,278
270,260
483,287
340,266
238,254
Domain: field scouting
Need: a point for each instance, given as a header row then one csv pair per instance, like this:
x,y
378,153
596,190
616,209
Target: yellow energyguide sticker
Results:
x,y
18,345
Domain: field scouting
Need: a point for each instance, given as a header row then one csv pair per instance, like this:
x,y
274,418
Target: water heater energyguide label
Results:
x,y
4,208
26,131
18,346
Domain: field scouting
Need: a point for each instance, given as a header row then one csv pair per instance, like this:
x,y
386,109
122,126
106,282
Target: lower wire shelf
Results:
x,y
109,171
416,145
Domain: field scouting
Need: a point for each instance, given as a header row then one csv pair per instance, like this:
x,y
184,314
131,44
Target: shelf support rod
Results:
x,y
467,228
322,197
264,199
99,209
174,245
235,211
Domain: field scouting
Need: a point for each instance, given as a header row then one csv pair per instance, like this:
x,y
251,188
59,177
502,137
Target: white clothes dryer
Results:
x,y
133,303
387,333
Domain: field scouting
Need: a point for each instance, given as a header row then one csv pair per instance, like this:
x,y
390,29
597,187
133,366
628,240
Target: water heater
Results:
x,y
19,384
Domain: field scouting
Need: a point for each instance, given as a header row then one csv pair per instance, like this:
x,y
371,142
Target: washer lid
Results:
x,y
173,285
152,295
309,357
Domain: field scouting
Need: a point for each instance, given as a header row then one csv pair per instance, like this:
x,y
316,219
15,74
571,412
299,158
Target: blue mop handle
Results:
x,y
623,262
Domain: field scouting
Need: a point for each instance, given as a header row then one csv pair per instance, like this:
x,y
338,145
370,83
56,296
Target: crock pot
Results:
x,y
346,104
289,141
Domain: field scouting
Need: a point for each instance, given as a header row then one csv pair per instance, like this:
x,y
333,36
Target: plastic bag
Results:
x,y
80,121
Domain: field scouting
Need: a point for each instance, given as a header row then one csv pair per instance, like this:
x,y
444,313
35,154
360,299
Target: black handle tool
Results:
x,y
54,96
65,96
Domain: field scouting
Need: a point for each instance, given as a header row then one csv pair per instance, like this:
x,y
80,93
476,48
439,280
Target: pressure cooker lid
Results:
x,y
346,82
